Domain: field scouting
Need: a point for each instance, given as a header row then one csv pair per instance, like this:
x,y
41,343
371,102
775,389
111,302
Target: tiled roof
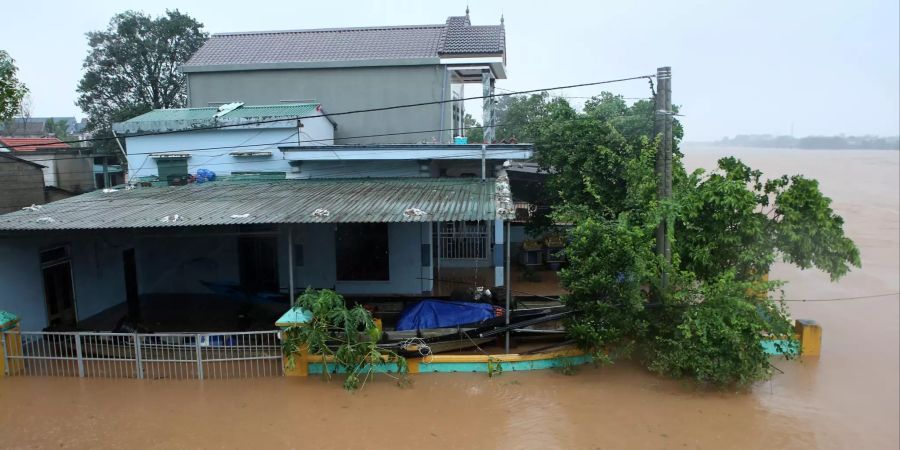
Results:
x,y
36,126
272,202
461,37
456,36
31,144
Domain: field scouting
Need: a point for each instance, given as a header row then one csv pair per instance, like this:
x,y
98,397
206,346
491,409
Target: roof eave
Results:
x,y
199,68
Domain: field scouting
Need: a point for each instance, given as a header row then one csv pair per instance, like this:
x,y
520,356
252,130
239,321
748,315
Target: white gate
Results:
x,y
143,355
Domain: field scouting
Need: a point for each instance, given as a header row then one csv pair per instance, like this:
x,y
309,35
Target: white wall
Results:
x,y
210,148
358,169
97,272
22,287
49,163
407,275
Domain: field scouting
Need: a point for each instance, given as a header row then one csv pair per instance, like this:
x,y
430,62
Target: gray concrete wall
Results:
x,y
339,90
23,185
75,174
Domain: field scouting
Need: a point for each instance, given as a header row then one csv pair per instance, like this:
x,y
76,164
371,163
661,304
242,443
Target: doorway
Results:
x,y
258,263
59,288
132,300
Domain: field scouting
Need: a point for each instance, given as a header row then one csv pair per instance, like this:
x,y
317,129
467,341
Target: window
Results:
x,y
172,170
362,252
463,240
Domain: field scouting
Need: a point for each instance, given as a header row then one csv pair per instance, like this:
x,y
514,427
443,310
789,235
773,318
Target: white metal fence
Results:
x,y
464,245
137,355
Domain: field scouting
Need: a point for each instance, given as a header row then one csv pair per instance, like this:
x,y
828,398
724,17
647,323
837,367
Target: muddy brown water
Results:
x,y
847,398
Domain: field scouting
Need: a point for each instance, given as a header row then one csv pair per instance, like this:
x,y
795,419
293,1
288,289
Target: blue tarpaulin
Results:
x,y
440,314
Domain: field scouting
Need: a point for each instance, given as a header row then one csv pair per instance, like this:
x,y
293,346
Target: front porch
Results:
x,y
215,257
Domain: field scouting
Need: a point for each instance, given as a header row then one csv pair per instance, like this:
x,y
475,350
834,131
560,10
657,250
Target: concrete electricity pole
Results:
x,y
664,161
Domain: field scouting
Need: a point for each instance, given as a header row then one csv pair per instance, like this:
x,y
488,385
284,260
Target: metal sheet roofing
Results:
x,y
274,202
413,42
180,118
242,112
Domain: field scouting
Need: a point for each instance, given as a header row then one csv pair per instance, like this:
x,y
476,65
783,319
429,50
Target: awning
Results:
x,y
271,202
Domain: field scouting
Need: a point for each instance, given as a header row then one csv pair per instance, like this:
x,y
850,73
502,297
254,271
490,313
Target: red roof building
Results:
x,y
31,144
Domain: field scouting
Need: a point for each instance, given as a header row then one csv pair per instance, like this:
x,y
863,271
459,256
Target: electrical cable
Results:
x,y
359,111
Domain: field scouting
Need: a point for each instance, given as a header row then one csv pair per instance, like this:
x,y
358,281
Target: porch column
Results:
x,y
290,253
499,252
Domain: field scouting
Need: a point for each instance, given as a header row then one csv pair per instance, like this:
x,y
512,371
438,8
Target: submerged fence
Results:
x,y
137,355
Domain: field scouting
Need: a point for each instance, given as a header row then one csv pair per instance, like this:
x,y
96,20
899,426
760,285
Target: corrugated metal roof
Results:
x,y
413,42
185,118
275,202
282,110
242,112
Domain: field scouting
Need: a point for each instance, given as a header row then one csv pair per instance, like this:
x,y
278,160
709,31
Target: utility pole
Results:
x,y
664,162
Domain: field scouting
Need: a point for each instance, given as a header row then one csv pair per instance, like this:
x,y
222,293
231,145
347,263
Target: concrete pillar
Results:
x,y
487,89
499,252
809,333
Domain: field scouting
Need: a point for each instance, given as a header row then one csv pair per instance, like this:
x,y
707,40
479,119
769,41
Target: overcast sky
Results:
x,y
823,66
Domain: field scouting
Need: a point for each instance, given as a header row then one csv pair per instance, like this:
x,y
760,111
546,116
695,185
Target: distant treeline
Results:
x,y
813,142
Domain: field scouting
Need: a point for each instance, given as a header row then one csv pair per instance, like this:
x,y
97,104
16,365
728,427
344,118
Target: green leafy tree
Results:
x,y
730,226
734,219
474,131
346,336
12,91
58,128
132,67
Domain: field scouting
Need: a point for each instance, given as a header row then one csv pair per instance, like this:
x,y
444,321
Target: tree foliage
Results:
x,y
58,128
730,226
132,66
12,91
348,336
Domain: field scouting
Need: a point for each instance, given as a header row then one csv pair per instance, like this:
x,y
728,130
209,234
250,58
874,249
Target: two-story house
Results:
x,y
335,168
348,69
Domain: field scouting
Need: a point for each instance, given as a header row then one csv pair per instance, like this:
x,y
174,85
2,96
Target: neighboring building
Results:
x,y
239,147
37,127
356,68
70,169
280,148
23,183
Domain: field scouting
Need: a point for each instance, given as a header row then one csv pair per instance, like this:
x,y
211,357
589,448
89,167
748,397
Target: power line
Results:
x,y
283,141
357,111
841,299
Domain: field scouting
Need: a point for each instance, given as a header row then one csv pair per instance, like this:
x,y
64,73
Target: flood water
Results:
x,y
847,398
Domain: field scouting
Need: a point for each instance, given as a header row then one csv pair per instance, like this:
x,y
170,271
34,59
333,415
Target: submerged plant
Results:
x,y
344,337
494,367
